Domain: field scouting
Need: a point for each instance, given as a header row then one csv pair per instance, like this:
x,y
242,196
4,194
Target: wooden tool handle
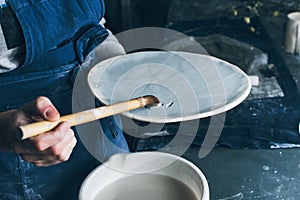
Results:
x,y
37,128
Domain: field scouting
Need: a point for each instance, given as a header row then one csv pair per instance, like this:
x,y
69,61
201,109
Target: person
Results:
x,y
43,44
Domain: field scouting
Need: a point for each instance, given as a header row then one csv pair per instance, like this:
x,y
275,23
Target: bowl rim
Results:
x,y
206,192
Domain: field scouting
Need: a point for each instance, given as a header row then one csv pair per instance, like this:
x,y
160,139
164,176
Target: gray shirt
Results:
x,y
10,58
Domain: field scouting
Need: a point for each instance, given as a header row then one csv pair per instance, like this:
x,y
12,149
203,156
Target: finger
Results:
x,y
64,147
29,146
40,161
39,157
61,153
51,138
46,163
24,147
68,150
46,158
41,108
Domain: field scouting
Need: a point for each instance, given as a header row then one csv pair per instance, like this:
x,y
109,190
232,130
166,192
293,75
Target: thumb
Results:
x,y
50,113
46,109
42,107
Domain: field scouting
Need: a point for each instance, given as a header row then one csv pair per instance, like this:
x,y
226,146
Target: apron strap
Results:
x,y
50,24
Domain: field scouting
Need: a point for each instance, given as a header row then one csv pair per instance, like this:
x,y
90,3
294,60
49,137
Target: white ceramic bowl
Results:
x,y
121,168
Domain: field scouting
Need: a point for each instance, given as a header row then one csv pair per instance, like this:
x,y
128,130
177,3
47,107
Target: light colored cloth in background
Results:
x,y
109,48
9,58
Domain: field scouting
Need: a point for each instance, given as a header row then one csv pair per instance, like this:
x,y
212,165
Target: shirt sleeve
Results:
x,y
110,47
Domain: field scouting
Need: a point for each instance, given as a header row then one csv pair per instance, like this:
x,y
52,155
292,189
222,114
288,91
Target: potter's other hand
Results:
x,y
46,149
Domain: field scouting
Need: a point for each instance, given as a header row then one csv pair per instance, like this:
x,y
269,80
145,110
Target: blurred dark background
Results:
x,y
127,14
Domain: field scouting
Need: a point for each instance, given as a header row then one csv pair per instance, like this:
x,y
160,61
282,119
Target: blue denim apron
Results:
x,y
58,35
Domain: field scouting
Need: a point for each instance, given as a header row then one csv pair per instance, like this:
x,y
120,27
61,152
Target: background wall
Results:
x,y
126,14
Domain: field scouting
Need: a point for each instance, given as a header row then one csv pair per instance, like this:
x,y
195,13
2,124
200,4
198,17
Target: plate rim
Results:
x,y
153,119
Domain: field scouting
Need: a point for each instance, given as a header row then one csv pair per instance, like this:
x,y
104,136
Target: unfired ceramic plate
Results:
x,y
190,86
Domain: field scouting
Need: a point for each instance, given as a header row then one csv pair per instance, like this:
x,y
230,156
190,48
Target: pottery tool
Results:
x,y
37,128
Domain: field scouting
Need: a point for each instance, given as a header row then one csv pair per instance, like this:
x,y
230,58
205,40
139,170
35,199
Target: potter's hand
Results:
x,y
49,148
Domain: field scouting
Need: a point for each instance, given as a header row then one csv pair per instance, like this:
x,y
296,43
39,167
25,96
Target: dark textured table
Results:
x,y
250,174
